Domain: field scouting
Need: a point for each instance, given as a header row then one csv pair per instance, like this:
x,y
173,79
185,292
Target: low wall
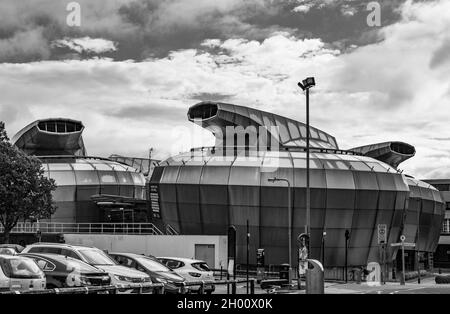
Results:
x,y
156,245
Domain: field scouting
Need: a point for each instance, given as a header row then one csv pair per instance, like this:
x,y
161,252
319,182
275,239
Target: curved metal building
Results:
x,y
206,190
83,182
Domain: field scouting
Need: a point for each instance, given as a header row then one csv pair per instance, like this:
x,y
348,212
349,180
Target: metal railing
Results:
x,y
170,230
98,228
145,288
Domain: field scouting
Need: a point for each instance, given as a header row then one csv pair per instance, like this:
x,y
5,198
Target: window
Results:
x,y
172,264
96,257
152,265
45,250
63,177
201,266
107,177
44,264
69,253
124,178
86,177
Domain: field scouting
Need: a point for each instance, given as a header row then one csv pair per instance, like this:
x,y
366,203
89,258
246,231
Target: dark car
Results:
x,y
64,272
151,266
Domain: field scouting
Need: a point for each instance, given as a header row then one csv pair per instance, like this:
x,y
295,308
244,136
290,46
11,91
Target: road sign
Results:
x,y
382,232
402,238
405,244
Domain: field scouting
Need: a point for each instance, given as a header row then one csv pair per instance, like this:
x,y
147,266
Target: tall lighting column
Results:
x,y
306,85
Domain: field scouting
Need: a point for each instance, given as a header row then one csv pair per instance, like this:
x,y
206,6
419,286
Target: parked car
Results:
x,y
120,275
66,272
190,269
10,249
154,268
19,273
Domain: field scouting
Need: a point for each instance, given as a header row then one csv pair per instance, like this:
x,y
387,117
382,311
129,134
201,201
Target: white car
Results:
x,y
192,270
120,275
18,273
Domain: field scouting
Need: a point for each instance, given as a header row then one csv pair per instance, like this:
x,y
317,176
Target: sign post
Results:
x,y
403,244
302,240
382,239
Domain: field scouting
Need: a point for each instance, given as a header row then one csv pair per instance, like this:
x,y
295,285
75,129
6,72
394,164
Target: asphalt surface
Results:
x,y
427,286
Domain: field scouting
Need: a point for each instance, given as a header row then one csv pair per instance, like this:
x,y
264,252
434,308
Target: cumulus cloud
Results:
x,y
386,90
86,44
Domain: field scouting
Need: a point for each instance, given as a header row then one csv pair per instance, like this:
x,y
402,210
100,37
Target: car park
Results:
x,y
192,270
120,275
153,267
66,272
19,273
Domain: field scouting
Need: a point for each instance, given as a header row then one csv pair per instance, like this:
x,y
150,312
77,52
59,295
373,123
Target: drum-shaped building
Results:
x,y
206,190
89,189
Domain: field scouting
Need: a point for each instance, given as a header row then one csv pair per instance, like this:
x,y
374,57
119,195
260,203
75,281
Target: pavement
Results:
x,y
427,286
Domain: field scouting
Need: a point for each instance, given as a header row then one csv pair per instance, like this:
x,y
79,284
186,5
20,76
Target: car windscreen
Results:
x,y
201,266
20,268
97,257
152,265
79,266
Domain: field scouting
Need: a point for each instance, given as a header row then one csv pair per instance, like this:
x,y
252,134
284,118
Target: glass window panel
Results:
x,y
63,177
360,166
119,167
86,177
284,133
314,133
124,177
377,167
82,166
323,137
138,178
59,167
294,130
107,177
103,167
302,129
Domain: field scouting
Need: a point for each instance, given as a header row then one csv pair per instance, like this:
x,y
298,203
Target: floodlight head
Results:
x,y
301,86
272,180
309,82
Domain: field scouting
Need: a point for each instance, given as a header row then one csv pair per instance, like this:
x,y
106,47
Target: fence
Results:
x,y
102,228
143,288
137,288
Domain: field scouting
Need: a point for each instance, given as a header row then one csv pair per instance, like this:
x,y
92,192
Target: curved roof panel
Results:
x,y
51,137
282,131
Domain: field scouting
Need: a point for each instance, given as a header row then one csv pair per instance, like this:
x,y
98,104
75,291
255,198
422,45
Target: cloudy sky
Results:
x,y
132,69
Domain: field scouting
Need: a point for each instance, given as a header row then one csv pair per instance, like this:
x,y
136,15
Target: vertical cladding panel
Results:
x,y
426,218
318,206
188,197
339,213
386,209
274,210
214,199
401,207
65,212
168,197
363,221
244,195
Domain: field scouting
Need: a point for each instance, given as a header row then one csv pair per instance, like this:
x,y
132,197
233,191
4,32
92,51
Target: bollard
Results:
x,y
202,288
252,286
183,288
233,287
314,278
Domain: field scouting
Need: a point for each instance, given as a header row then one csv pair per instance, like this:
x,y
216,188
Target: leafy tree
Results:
x,y
24,190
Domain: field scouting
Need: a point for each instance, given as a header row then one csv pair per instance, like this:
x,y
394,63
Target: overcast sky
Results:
x,y
133,68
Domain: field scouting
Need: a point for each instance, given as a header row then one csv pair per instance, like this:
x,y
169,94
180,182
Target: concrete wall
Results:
x,y
165,245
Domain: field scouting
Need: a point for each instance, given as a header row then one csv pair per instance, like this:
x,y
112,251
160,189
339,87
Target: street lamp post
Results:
x,y
273,180
324,234
306,85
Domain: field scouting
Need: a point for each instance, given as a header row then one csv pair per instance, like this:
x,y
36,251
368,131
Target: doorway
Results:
x,y
206,252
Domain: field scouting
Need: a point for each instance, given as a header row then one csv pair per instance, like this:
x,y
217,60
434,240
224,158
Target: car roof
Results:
x,y
131,255
182,259
76,246
57,257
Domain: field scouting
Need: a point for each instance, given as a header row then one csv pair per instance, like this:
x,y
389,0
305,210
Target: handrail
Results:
x,y
86,228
